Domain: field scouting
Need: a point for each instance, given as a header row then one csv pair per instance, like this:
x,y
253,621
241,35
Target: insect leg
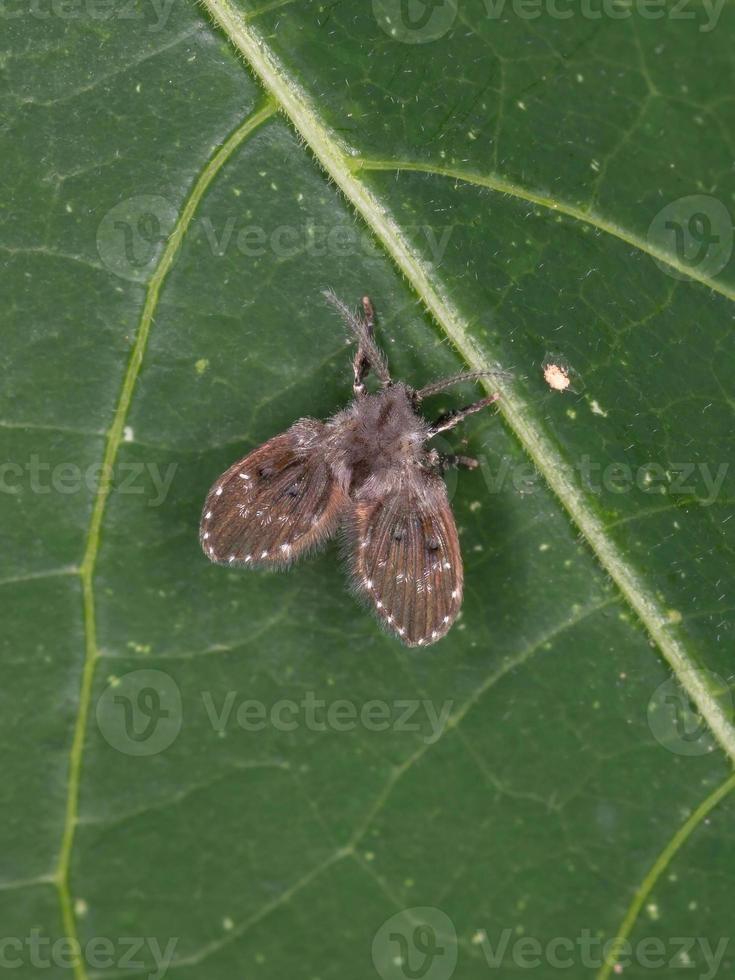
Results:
x,y
448,421
369,315
451,459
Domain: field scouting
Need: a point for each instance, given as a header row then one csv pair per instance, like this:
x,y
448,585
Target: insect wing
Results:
x,y
274,504
406,558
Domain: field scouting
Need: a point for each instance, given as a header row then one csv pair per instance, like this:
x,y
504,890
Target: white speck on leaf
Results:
x,y
556,377
597,409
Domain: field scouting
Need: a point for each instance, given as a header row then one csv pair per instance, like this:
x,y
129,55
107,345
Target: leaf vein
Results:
x,y
456,719
662,862
586,216
115,438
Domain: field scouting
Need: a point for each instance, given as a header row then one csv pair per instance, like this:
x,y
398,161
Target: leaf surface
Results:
x,y
498,192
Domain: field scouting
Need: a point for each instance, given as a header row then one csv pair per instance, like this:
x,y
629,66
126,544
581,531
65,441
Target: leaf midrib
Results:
x,y
325,146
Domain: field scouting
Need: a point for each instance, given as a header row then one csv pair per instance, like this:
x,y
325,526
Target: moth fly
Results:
x,y
367,470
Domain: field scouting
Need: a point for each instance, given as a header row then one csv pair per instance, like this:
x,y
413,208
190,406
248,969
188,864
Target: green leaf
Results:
x,y
513,192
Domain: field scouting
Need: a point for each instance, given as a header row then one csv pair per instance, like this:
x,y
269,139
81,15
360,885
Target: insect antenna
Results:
x,y
455,379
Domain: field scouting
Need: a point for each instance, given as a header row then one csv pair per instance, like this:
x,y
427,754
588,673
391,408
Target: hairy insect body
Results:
x,y
366,470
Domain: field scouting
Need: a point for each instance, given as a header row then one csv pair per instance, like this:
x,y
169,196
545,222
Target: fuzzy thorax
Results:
x,y
376,434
